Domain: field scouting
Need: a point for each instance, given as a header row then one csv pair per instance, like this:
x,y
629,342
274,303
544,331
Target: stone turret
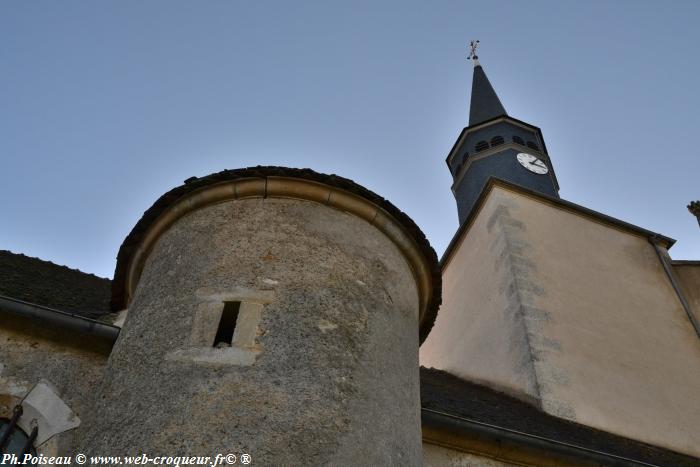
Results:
x,y
271,311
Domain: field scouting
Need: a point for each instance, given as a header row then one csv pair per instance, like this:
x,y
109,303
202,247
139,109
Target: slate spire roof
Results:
x,y
485,104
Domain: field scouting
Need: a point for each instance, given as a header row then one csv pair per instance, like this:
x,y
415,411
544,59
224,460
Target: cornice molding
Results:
x,y
497,149
504,118
288,188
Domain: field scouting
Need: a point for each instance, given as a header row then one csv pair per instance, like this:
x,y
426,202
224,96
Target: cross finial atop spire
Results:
x,y
472,52
485,104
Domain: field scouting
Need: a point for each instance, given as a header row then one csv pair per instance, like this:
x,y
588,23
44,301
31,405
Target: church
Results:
x,y
284,317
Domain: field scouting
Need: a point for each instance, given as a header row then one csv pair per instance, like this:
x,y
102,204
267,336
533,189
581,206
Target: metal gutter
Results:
x,y
668,268
59,318
511,445
685,262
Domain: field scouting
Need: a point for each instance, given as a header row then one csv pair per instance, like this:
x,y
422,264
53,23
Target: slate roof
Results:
x,y
445,392
44,283
485,103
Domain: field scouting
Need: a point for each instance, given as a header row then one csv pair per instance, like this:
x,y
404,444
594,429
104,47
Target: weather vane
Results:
x,y
472,50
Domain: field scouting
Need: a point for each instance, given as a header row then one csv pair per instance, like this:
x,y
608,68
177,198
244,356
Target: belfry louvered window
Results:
x,y
532,145
13,440
497,140
481,145
518,140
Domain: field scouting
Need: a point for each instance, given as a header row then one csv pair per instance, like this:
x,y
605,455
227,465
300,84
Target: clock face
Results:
x,y
532,163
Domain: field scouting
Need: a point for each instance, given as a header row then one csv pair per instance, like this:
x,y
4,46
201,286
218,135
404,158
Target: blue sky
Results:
x,y
104,106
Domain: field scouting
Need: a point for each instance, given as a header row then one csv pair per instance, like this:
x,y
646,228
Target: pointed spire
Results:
x,y
485,104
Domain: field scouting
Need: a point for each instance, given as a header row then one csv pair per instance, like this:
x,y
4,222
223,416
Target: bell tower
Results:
x,y
496,145
582,315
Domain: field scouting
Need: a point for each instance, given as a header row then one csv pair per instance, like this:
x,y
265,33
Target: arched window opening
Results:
x,y
13,440
481,145
497,140
518,140
532,145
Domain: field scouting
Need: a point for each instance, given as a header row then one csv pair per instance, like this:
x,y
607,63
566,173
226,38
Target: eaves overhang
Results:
x,y
484,439
52,318
281,182
501,118
466,416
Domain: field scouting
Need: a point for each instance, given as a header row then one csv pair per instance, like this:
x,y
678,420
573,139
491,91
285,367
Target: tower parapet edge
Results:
x,y
328,283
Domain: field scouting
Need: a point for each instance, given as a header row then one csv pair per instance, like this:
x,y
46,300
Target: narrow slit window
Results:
x,y
227,324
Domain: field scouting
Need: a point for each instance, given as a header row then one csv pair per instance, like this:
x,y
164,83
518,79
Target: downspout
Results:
x,y
668,268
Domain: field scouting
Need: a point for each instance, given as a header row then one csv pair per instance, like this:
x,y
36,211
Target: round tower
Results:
x,y
271,311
